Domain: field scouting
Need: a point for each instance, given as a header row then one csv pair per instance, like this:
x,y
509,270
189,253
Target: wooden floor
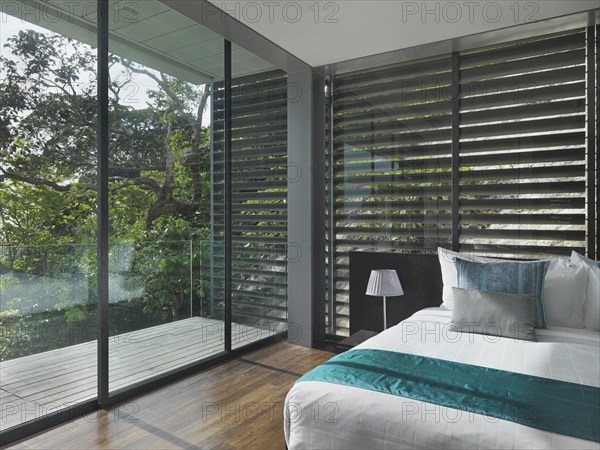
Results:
x,y
49,381
237,405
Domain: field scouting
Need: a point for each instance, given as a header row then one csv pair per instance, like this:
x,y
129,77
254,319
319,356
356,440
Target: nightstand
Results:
x,y
357,338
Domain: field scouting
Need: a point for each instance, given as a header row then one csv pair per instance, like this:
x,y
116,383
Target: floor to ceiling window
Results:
x,y
256,207
48,320
82,325
161,71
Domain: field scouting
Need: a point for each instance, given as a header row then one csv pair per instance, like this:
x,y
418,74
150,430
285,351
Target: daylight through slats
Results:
x,y
521,156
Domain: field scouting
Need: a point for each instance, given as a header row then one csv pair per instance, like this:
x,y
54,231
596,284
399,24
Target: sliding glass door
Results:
x,y
122,259
162,66
254,203
48,320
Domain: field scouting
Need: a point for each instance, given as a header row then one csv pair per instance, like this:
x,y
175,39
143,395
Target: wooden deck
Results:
x,y
235,405
35,385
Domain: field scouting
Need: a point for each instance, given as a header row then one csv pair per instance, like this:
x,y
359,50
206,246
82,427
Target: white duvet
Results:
x,y
322,415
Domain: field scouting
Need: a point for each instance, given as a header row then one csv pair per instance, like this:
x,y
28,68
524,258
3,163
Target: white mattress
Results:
x,y
321,415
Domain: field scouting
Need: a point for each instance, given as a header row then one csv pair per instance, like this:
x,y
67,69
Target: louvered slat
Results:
x,y
259,195
521,156
552,112
391,166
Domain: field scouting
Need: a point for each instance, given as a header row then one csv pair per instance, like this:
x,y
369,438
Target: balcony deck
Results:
x,y
35,385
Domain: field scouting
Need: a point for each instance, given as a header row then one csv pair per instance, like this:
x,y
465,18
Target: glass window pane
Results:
x,y
47,212
389,168
162,315
259,198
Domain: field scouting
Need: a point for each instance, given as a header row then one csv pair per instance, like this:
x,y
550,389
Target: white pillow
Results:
x,y
564,288
591,319
449,274
565,292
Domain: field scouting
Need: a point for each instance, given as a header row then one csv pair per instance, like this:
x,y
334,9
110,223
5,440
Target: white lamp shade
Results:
x,y
384,282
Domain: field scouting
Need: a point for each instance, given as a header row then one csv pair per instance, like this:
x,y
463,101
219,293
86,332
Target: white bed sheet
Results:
x,y
322,415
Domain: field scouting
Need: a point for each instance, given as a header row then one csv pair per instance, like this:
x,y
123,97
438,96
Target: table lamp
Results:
x,y
384,283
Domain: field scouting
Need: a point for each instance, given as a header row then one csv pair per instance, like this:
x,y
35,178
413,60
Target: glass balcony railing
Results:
x,y
166,310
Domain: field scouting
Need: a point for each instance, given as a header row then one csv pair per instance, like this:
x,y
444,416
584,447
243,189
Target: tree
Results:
x,y
159,158
47,127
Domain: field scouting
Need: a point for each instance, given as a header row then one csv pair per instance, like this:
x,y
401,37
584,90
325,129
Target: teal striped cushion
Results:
x,y
511,277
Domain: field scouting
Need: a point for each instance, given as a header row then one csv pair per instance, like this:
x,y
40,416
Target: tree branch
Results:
x,y
34,180
164,85
146,182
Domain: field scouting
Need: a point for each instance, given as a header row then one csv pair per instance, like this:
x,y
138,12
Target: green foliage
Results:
x,y
72,314
36,220
167,256
29,334
6,281
159,189
75,314
14,338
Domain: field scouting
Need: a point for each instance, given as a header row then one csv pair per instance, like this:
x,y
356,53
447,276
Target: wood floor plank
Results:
x,y
236,405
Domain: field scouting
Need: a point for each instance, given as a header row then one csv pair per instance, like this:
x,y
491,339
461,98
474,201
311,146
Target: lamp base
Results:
x,y
384,314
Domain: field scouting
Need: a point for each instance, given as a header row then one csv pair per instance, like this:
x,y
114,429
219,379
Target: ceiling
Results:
x,y
145,31
316,32
326,32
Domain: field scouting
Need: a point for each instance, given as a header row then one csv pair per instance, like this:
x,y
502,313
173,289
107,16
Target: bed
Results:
x,y
321,414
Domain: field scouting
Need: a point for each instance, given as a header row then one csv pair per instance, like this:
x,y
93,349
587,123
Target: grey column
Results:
x,y
306,208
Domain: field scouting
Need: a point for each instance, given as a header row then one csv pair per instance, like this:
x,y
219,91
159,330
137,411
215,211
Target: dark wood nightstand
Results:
x,y
357,338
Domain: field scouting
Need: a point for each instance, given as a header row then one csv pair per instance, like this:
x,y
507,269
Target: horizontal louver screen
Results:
x,y
523,147
389,174
514,132
259,199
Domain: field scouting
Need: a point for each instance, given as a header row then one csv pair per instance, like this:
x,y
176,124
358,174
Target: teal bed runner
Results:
x,y
558,406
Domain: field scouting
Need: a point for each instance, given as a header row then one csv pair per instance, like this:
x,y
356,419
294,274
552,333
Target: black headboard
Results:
x,y
421,279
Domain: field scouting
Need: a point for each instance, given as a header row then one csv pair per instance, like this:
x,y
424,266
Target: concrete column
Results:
x,y
306,208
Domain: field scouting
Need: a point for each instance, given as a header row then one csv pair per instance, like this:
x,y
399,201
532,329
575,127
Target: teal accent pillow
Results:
x,y
510,277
